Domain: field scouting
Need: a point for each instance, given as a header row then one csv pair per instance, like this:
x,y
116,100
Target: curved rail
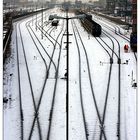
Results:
x,y
119,86
38,106
119,34
91,85
27,66
19,88
50,57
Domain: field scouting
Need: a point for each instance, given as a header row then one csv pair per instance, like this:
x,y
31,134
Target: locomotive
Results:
x,y
91,26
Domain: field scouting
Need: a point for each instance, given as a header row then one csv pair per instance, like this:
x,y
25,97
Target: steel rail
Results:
x,y
19,88
38,106
91,84
119,88
80,85
31,86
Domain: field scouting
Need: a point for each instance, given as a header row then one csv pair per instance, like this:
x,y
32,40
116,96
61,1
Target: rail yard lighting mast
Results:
x,y
67,46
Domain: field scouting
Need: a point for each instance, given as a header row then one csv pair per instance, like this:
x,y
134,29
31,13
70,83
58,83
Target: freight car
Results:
x,y
55,22
133,36
133,41
91,26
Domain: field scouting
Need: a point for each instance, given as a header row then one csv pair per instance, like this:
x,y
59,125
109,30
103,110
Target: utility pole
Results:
x,y
67,95
42,24
125,9
45,12
36,17
32,15
67,47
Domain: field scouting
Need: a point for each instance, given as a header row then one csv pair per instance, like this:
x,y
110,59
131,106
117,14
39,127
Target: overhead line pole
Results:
x,y
42,24
36,17
32,15
67,46
67,95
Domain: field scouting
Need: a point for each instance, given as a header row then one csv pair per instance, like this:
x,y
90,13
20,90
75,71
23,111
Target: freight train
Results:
x,y
91,26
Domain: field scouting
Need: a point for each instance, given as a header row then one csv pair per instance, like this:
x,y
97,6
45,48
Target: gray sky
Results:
x,y
82,0
67,0
74,0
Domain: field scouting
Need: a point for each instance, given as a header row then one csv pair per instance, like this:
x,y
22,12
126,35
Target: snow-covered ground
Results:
x,y
99,64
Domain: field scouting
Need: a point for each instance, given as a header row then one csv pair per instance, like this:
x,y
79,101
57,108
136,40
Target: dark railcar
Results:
x,y
133,41
90,25
51,17
55,23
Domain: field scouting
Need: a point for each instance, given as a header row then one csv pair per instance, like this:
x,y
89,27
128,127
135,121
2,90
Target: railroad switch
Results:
x,y
111,60
102,127
47,75
119,61
36,114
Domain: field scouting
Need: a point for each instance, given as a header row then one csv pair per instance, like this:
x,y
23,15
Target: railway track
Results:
x,y
122,36
80,85
51,61
48,33
109,77
91,84
54,92
19,88
46,24
119,61
119,93
55,85
17,46
29,77
50,57
115,29
31,86
111,61
55,40
119,85
118,33
36,107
